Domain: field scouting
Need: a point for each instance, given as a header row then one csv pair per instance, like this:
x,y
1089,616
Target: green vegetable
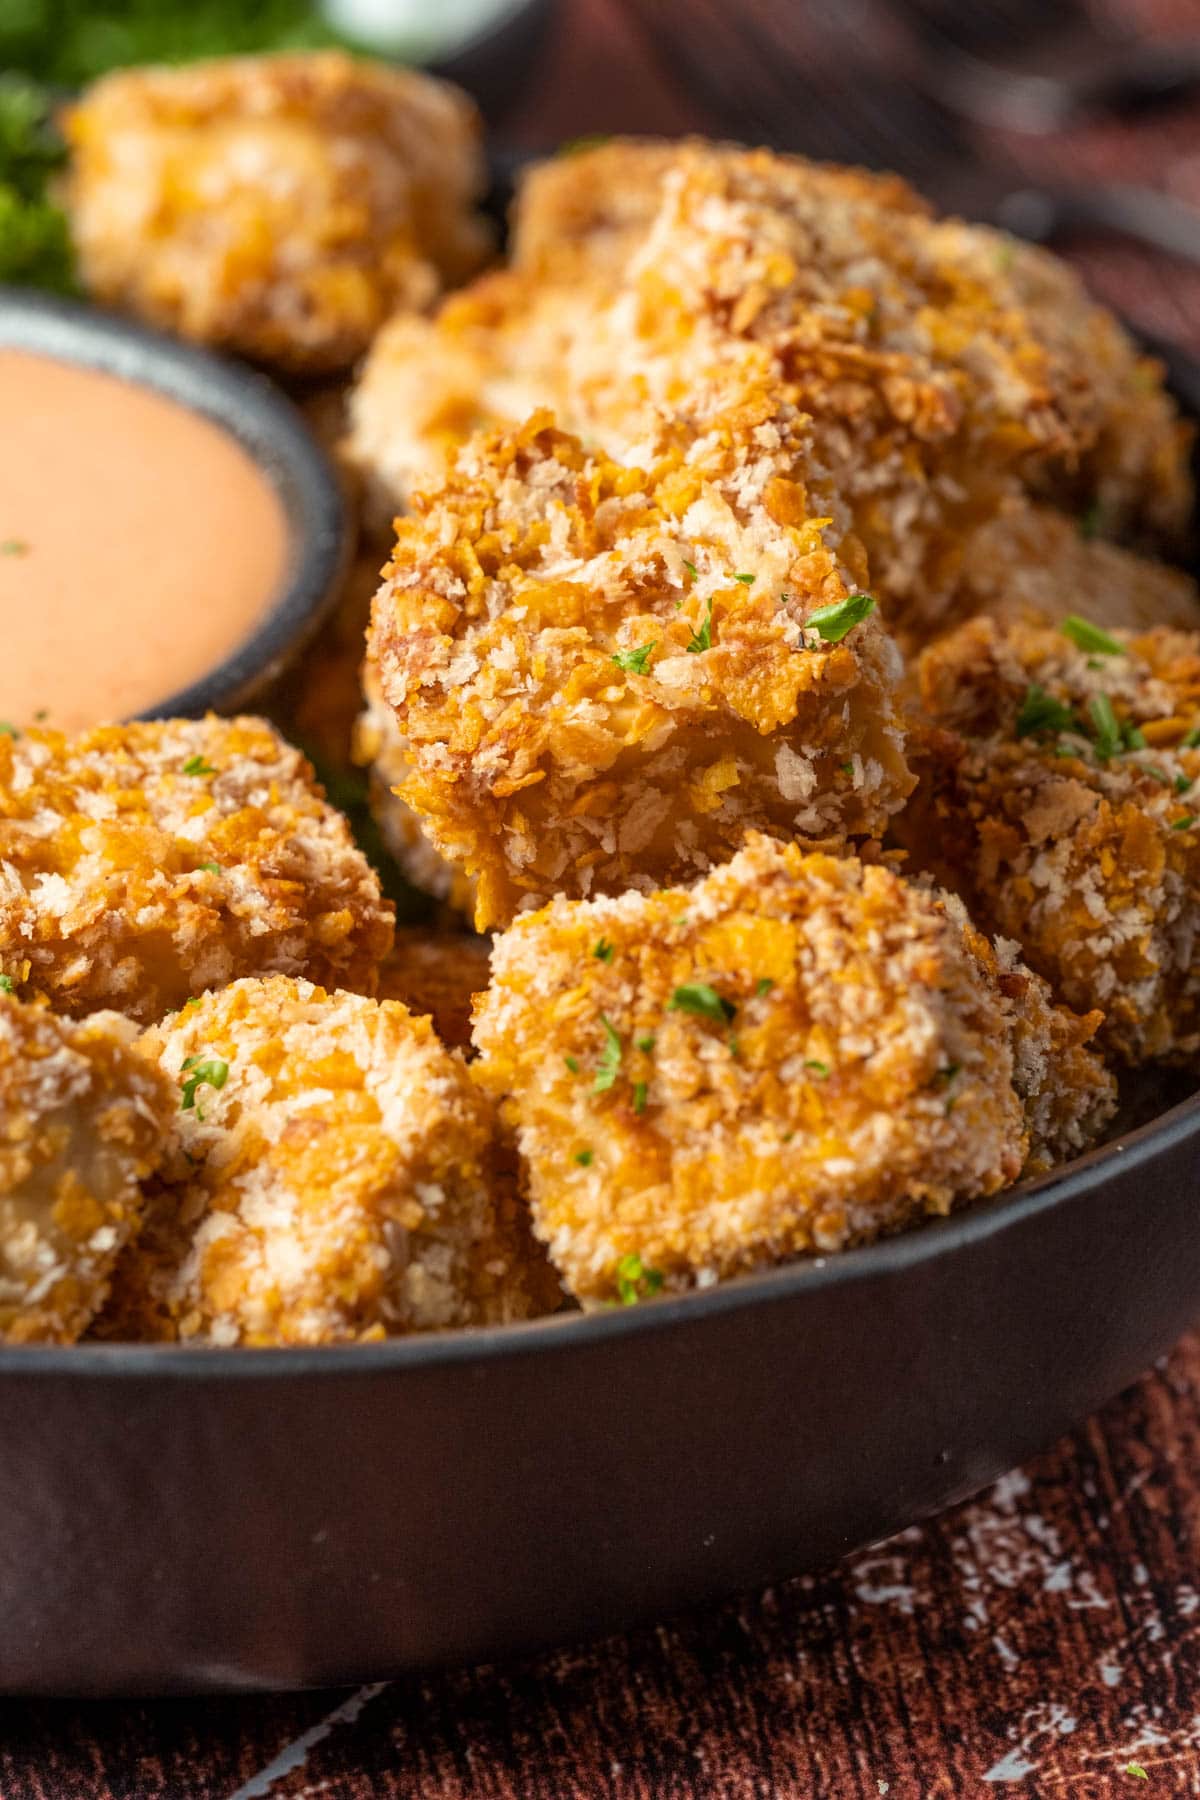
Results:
x,y
763,985
698,997
635,1281
746,580
604,951
213,1073
645,1045
702,640
7,984
35,245
1108,731
1183,824
833,622
1087,636
584,1158
572,1063
67,42
635,660
1040,712
609,1066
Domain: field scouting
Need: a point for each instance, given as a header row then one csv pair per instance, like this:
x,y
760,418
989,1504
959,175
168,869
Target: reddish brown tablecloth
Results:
x,y
1043,1640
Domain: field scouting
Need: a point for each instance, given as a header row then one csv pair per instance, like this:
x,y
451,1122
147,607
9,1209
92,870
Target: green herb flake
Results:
x,y
690,567
211,868
196,765
7,730
1091,521
819,1069
1192,740
833,622
698,997
1137,1771
702,639
1086,636
1131,737
1183,783
609,1066
634,661
635,1281
14,547
572,1063
1040,712
763,985
604,951
1108,730
746,580
198,1072
640,1090
1183,824
645,1044
7,984
584,1158
735,1048
1155,773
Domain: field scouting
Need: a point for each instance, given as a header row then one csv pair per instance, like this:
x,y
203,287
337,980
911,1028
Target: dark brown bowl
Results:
x,y
180,1519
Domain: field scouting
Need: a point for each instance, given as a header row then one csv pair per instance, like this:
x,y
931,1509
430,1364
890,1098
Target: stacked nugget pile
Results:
x,y
769,620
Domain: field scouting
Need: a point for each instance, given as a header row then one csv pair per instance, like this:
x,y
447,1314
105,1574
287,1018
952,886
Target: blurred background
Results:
x,y
1074,121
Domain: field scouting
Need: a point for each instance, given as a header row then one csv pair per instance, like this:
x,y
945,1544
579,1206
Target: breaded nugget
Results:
x,y
1033,563
946,367
796,1054
438,974
1059,795
143,863
335,1180
606,675
281,206
380,746
86,1119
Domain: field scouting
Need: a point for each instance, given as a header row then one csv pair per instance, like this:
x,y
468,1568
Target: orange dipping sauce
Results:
x,y
139,544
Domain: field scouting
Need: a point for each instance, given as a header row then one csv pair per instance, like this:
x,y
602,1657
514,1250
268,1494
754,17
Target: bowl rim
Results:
x,y
977,1222
249,408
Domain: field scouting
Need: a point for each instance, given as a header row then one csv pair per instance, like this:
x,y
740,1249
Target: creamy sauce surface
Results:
x,y
139,544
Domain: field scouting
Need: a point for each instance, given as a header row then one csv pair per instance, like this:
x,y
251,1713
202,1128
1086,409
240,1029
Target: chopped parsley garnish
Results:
x,y
645,1044
14,547
1136,1770
746,580
211,868
690,567
635,1281
584,1158
1108,731
1091,520
604,951
1086,636
735,1049
198,1072
702,639
1183,783
763,985
192,1000
635,660
7,730
1132,738
1183,824
196,765
846,768
1040,712
640,1090
819,1069
833,622
7,984
609,1066
948,1073
698,997
572,1063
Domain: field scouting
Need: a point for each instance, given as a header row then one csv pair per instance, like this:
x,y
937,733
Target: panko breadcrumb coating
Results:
x,y
334,1180
143,863
606,675
280,206
946,367
438,975
796,1054
379,745
1060,794
85,1121
1034,564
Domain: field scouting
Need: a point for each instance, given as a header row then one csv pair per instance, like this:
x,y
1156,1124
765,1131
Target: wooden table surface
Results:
x,y
1044,1639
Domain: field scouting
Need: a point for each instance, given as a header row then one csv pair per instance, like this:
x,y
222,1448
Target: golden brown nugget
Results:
x,y
1059,795
85,1120
438,975
143,863
606,675
947,369
334,1180
795,1054
281,206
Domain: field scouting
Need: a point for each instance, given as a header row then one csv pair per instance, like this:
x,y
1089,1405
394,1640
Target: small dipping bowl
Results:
x,y
301,535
